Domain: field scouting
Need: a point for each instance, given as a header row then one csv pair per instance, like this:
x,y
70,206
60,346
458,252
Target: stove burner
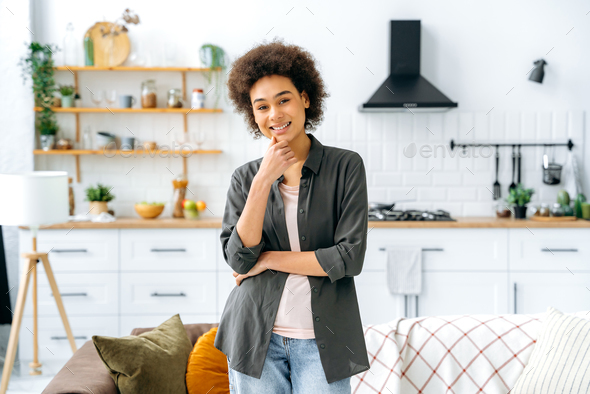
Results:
x,y
412,214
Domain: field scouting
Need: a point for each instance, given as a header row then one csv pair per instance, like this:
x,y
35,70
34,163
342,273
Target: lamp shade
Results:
x,y
34,198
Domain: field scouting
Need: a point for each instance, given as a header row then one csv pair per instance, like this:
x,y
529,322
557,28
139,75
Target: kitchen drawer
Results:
x,y
128,323
543,249
52,340
77,249
168,293
82,294
168,250
443,249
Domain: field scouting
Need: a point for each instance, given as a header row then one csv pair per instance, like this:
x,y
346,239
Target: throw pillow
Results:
x,y
206,372
560,360
152,362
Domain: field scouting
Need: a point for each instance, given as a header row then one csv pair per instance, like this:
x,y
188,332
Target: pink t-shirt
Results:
x,y
294,318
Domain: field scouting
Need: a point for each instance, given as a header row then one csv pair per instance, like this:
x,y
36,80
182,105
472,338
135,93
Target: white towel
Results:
x,y
404,269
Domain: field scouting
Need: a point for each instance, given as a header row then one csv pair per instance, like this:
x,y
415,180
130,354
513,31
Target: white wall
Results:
x,y
473,52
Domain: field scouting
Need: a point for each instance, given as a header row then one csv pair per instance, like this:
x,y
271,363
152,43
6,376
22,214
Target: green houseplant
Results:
x,y
38,65
98,197
519,197
214,57
67,95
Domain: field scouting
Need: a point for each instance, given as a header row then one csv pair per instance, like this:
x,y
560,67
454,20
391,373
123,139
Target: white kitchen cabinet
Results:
x,y
52,339
377,305
76,250
443,249
168,250
542,249
533,292
160,293
458,293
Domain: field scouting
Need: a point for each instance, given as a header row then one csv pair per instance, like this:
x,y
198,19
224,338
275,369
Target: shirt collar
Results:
x,y
314,157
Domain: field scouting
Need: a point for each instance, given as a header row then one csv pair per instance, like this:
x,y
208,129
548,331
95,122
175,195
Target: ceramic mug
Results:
x,y
126,101
127,143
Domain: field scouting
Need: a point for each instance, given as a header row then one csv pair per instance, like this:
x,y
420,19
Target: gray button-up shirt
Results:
x,y
332,221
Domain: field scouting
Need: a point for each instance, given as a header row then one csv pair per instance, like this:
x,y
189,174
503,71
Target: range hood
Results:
x,y
405,89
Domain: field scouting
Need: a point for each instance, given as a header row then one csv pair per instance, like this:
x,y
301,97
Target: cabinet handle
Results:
x,y
168,250
515,298
72,294
559,250
156,294
65,337
69,250
423,249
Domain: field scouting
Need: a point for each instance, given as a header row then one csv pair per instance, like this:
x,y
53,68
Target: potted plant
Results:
x,y
47,126
214,57
38,64
519,197
67,95
98,197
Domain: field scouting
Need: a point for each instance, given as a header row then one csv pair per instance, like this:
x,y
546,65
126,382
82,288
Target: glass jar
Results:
x,y
557,210
175,98
148,94
544,210
72,200
180,184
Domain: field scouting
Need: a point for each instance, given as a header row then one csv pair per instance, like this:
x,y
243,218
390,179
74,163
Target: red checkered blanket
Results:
x,y
449,354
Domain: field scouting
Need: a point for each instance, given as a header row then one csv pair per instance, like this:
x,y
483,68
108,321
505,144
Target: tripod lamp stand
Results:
x,y
33,199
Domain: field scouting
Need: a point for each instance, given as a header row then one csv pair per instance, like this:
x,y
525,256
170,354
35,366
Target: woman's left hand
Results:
x,y
259,267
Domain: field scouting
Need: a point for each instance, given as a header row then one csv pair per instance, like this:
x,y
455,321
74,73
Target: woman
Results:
x,y
294,232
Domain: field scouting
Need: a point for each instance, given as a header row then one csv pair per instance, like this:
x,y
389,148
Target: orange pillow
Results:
x,y
206,371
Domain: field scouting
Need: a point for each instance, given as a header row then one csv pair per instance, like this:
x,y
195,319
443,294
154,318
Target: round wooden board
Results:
x,y
122,45
553,219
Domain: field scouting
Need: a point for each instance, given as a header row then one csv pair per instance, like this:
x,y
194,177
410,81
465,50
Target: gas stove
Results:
x,y
409,215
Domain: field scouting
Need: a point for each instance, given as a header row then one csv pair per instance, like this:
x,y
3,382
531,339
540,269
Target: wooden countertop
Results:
x,y
215,222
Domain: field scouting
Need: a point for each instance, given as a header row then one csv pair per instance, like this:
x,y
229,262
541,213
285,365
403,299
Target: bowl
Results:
x,y
149,211
150,145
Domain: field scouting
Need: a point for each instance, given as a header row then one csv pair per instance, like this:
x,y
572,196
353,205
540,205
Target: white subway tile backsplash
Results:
x,y
435,177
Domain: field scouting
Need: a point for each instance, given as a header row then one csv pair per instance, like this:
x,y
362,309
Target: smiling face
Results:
x,y
275,103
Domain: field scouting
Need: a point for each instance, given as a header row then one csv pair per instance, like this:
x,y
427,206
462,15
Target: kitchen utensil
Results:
x,y
513,185
381,206
120,42
519,163
497,190
552,170
126,101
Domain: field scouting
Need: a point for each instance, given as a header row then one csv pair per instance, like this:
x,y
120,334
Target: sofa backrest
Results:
x,y
194,331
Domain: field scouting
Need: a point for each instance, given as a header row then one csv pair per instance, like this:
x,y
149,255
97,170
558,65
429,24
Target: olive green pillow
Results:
x,y
152,362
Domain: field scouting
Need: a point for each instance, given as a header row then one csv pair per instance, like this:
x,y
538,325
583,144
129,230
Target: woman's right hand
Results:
x,y
278,157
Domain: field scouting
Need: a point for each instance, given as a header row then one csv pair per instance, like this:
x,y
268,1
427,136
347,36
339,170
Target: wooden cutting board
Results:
x,y
553,218
121,45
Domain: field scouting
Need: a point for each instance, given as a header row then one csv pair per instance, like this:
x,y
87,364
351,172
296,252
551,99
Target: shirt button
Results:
x,y
315,290
317,318
301,211
303,238
323,346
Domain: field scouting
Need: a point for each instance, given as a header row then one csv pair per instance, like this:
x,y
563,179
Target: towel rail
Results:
x,y
423,249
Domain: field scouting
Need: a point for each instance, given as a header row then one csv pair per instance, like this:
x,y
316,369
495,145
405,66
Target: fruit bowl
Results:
x,y
149,211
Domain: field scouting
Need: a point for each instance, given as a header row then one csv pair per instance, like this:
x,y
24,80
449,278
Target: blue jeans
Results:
x,y
291,366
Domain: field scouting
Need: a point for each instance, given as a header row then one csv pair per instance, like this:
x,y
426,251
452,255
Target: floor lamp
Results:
x,y
33,199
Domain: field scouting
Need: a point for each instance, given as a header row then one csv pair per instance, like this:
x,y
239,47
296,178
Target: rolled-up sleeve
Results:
x,y
239,257
347,255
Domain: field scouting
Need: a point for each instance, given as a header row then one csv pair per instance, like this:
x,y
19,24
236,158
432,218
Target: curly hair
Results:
x,y
277,58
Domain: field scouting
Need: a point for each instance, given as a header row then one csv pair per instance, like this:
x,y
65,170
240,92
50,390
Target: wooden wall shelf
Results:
x,y
77,111
186,111
76,152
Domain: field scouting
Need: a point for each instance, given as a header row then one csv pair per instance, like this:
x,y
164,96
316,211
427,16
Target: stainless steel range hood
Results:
x,y
405,89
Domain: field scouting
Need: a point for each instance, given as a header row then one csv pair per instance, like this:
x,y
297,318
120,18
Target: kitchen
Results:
x,y
441,155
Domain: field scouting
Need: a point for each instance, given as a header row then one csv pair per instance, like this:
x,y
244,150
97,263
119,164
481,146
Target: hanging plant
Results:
x,y
214,57
38,64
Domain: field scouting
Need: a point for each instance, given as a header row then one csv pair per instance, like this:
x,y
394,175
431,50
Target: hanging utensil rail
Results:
x,y
454,144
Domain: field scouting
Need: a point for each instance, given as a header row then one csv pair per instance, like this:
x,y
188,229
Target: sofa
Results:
x,y
427,354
